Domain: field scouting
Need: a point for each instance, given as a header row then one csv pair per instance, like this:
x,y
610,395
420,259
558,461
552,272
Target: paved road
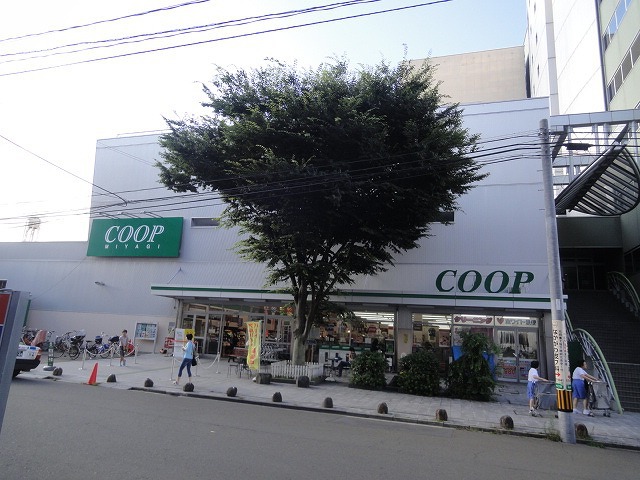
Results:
x,y
212,380
74,431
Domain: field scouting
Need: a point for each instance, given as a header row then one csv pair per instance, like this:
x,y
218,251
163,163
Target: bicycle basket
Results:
x,y
115,339
98,340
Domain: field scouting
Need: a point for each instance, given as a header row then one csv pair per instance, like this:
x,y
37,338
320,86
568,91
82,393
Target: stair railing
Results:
x,y
620,286
592,350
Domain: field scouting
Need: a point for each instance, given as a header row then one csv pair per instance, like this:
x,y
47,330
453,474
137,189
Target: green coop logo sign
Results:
x,y
135,237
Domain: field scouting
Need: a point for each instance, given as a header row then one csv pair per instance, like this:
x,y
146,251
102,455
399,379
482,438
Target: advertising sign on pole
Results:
x,y
253,352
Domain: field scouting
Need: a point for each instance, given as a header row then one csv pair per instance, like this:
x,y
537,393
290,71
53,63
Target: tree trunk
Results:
x,y
299,340
300,330
299,350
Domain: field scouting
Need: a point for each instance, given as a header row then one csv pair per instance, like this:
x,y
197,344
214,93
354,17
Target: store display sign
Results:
x,y
180,340
473,320
135,237
517,321
497,281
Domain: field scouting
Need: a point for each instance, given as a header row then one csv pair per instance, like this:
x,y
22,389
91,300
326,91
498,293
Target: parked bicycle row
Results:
x,y
73,344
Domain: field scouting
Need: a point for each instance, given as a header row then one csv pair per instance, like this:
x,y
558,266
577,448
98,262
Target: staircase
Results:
x,y
617,333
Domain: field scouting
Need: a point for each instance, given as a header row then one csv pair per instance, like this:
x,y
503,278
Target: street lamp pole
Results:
x,y
560,349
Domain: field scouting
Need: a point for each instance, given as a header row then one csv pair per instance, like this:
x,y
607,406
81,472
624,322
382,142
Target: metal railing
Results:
x,y
592,350
620,286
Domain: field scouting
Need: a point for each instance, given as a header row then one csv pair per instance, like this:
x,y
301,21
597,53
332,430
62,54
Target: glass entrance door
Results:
x,y
518,348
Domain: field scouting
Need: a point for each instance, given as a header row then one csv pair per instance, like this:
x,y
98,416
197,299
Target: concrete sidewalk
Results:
x,y
212,379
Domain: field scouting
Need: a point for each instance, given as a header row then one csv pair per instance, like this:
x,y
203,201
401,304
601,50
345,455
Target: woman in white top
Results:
x,y
533,378
580,376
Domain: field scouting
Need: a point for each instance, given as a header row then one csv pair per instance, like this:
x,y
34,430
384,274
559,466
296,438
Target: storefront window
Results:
x,y
222,329
517,340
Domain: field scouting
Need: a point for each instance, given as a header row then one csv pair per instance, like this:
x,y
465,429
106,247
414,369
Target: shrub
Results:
x,y
419,373
367,370
470,377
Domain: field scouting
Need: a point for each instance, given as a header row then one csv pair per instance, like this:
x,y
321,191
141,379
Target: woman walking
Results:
x,y
187,357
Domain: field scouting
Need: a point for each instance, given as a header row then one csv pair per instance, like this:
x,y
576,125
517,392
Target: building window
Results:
x,y
445,217
629,61
635,51
614,23
626,66
205,222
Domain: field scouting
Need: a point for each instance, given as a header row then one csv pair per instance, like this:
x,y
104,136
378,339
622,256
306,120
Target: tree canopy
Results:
x,y
329,172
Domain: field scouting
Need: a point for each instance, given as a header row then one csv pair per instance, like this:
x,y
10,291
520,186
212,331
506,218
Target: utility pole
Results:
x,y
560,348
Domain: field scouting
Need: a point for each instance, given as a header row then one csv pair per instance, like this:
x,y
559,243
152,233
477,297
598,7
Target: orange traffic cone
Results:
x,y
94,375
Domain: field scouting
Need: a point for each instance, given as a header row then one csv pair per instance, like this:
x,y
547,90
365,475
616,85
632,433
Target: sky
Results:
x,y
76,71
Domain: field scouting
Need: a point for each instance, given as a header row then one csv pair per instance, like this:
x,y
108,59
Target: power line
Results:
x,y
181,31
187,201
60,168
289,186
230,37
75,27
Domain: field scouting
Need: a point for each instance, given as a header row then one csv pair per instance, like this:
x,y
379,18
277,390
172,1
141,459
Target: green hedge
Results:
x,y
419,373
367,371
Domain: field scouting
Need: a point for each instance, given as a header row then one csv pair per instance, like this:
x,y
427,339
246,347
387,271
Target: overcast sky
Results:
x,y
63,90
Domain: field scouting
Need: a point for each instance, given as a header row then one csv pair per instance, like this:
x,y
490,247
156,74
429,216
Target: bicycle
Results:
x,y
61,345
75,344
101,346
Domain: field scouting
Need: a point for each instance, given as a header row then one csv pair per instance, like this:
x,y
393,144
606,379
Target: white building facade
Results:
x,y
486,272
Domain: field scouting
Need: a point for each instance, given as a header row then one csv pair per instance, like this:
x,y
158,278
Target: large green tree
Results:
x,y
329,172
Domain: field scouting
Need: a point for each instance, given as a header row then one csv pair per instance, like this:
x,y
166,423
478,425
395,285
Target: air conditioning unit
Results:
x,y
3,283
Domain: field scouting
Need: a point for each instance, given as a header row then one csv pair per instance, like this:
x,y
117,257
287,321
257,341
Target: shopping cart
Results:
x,y
599,397
546,398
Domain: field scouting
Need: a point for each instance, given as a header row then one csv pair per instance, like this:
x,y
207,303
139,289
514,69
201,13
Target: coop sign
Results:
x,y
135,237
469,281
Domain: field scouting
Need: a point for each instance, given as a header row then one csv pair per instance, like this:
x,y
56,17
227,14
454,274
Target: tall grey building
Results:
x,y
584,54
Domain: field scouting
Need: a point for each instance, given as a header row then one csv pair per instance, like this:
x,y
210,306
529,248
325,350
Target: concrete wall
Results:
x,y
481,77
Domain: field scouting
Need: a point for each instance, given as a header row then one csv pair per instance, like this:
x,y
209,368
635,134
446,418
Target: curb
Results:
x,y
377,416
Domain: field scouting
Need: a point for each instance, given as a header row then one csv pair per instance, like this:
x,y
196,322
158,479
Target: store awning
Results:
x,y
608,186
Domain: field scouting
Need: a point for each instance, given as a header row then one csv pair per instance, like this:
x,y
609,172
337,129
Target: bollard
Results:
x,y
506,422
582,432
49,366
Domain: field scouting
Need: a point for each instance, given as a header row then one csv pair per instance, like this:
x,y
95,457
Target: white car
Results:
x,y
27,359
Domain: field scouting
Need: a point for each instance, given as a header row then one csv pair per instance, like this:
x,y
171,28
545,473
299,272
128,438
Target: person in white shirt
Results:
x,y
124,344
532,379
579,387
